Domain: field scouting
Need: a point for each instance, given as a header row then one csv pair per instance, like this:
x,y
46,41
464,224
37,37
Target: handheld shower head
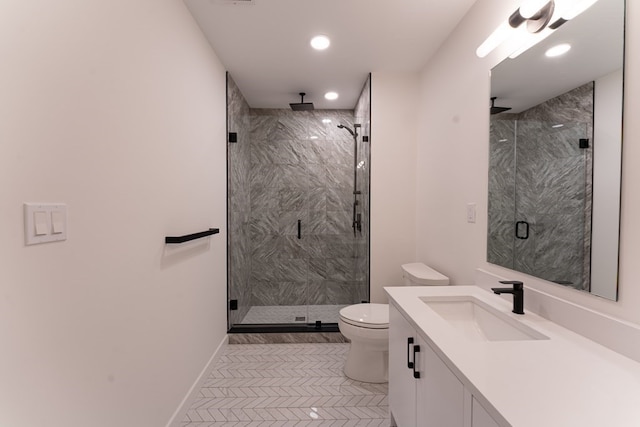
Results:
x,y
341,126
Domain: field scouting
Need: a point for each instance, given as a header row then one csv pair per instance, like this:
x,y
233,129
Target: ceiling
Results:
x,y
264,44
597,47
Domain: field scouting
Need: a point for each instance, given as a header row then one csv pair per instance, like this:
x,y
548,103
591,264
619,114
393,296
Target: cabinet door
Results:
x,y
480,417
402,385
440,396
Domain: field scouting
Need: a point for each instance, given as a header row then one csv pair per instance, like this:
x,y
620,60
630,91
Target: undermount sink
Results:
x,y
478,321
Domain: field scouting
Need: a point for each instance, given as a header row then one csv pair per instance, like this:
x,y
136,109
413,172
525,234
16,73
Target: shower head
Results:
x,y
301,106
350,131
497,110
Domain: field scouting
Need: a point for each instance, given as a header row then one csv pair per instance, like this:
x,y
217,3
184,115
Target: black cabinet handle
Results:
x,y
409,362
526,230
299,229
416,349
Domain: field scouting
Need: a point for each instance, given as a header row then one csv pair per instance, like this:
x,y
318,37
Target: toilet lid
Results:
x,y
424,275
373,316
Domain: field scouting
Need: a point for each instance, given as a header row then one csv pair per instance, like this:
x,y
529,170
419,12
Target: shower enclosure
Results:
x,y
298,225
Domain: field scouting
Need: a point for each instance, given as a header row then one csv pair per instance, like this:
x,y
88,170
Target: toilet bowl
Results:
x,y
367,327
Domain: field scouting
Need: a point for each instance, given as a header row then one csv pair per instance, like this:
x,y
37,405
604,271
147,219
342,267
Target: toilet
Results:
x,y
367,327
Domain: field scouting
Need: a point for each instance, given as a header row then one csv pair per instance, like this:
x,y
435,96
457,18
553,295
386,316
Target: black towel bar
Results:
x,y
188,237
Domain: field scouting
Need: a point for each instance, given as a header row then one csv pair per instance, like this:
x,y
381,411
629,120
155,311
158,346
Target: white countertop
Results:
x,y
564,381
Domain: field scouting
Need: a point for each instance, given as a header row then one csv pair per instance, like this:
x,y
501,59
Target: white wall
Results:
x,y
116,108
452,154
393,178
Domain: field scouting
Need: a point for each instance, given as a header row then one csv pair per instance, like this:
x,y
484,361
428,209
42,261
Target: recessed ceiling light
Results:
x,y
331,96
326,121
558,50
320,42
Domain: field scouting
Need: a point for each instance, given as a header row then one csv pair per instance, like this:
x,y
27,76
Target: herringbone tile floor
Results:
x,y
282,385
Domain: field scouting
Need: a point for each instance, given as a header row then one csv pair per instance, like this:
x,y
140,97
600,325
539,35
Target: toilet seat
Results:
x,y
370,316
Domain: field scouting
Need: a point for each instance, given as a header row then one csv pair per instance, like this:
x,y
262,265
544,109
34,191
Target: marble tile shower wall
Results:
x,y
238,202
362,114
302,170
547,178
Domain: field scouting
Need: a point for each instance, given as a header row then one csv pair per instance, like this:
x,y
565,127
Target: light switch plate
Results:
x,y
44,222
471,212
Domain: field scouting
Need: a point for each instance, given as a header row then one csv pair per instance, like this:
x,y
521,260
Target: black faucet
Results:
x,y
517,291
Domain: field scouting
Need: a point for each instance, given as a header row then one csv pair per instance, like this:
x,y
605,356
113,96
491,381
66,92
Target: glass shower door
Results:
x,y
294,259
553,201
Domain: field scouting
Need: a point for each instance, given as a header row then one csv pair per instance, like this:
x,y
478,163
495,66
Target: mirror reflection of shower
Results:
x,y
357,216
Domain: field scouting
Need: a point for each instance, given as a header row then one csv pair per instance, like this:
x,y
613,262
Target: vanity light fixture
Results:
x,y
577,8
557,50
320,42
528,9
532,22
331,96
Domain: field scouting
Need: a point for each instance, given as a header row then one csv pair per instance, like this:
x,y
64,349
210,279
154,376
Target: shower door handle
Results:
x,y
299,229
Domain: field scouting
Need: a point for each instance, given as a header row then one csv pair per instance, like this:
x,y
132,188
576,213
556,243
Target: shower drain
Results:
x,y
300,318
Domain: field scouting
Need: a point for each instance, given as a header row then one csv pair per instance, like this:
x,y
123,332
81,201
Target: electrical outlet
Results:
x,y
471,212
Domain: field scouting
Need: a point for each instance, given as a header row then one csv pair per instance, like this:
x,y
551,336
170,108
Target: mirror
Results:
x,y
555,155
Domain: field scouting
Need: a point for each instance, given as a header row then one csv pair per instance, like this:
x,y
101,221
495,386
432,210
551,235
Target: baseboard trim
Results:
x,y
190,397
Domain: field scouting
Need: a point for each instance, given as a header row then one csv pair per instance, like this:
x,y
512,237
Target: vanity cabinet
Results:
x,y
422,390
480,416
402,385
433,396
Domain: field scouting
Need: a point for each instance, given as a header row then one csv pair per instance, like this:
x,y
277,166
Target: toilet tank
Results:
x,y
418,274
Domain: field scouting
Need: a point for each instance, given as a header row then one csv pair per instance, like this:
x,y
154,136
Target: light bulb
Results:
x,y
331,96
577,9
320,42
558,50
531,7
494,40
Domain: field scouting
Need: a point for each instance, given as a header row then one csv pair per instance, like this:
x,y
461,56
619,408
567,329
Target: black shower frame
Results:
x,y
280,327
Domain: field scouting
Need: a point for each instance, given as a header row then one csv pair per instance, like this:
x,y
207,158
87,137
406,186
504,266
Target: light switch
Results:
x,y
57,222
40,222
471,212
44,222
